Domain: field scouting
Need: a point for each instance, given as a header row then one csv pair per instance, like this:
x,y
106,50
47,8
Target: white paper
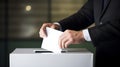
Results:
x,y
50,43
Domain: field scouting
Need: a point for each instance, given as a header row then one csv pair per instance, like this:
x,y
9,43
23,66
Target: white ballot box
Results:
x,y
37,57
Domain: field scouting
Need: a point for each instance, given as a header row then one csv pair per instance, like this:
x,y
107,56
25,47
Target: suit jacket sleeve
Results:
x,y
80,20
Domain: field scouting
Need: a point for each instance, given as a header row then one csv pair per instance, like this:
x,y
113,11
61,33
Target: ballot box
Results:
x,y
38,57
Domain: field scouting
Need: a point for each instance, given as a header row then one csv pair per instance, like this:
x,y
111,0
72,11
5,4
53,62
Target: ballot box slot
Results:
x,y
37,51
64,51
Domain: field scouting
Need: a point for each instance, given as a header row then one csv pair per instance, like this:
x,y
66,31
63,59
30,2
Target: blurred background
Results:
x,y
20,21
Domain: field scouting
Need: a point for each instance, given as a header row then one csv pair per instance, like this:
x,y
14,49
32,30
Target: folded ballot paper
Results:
x,y
50,42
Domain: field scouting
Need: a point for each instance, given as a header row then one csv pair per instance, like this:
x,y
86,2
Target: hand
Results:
x,y
42,32
70,37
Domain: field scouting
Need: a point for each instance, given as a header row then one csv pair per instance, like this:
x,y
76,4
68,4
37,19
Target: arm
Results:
x,y
80,20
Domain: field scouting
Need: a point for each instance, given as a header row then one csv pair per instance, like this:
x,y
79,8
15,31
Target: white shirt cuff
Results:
x,y
86,35
57,23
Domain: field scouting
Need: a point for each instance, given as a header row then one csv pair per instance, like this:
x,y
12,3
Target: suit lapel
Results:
x,y
98,8
105,7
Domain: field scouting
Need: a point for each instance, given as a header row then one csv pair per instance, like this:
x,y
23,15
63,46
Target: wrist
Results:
x,y
81,37
58,26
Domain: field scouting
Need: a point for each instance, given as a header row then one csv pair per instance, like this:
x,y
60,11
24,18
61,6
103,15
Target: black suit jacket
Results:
x,y
105,35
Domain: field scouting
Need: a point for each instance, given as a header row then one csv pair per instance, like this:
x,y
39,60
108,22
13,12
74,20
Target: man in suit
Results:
x,y
105,35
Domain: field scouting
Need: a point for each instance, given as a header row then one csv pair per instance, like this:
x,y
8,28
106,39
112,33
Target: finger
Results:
x,y
67,43
53,26
62,40
42,32
66,40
